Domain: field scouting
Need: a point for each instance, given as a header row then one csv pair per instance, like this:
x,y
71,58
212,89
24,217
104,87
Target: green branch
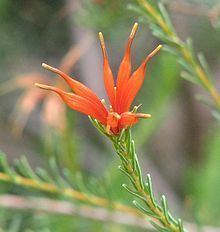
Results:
x,y
161,217
195,67
24,176
143,191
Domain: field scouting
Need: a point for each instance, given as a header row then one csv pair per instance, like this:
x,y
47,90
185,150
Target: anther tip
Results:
x,y
46,66
135,24
101,36
37,85
157,49
134,30
159,46
102,43
153,53
41,86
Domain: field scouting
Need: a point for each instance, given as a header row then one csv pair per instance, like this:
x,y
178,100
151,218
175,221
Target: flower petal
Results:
x,y
124,71
77,103
107,73
79,88
134,84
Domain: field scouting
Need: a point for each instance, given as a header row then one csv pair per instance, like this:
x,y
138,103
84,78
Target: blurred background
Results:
x,y
179,146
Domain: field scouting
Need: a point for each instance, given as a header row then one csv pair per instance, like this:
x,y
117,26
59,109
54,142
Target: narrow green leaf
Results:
x,y
56,174
136,194
135,9
185,65
128,140
171,50
139,171
145,211
5,166
158,227
149,184
127,174
44,175
122,134
180,225
172,218
205,65
70,177
165,15
98,126
189,45
133,155
80,183
120,146
157,32
121,155
20,169
165,208
187,76
29,171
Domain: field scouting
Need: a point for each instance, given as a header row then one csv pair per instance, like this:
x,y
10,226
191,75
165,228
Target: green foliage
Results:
x,y
125,148
104,15
195,67
58,182
31,221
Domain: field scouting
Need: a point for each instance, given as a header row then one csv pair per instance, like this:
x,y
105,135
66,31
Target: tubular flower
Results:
x,y
121,94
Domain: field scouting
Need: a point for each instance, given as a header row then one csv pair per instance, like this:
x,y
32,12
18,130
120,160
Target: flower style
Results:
x,y
121,94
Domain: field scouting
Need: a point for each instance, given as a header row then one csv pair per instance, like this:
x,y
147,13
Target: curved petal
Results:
x,y
107,73
78,88
77,103
134,84
124,71
132,87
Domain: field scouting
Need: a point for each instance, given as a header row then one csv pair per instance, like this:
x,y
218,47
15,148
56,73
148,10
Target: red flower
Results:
x,y
121,94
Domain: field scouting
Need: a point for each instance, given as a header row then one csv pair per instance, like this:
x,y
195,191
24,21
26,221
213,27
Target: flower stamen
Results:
x,y
154,52
136,108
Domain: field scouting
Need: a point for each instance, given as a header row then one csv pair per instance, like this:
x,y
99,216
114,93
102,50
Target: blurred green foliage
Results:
x,y
156,93
105,15
206,178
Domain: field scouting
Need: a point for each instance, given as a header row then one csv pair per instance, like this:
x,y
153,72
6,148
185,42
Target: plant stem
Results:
x,y
156,18
67,192
157,211
124,147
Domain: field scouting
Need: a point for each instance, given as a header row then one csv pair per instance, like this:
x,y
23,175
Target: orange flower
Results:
x,y
121,94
